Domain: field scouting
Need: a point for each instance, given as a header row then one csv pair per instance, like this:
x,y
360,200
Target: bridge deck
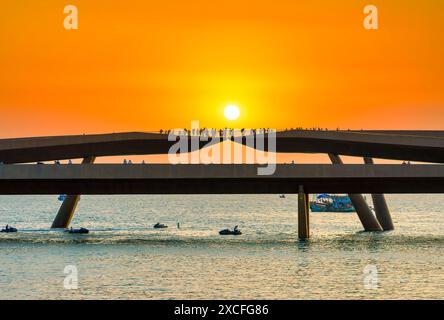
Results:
x,y
425,146
218,179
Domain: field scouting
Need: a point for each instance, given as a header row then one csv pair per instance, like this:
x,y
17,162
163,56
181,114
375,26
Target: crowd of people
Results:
x,y
212,132
230,131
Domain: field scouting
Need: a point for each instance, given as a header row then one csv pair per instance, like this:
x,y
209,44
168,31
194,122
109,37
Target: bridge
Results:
x,y
18,177
218,179
424,146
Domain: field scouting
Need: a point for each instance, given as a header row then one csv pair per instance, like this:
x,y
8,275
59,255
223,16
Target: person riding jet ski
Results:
x,y
9,229
81,230
234,232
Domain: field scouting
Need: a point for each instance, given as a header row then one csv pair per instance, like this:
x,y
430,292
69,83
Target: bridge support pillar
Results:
x,y
368,220
69,205
380,205
303,215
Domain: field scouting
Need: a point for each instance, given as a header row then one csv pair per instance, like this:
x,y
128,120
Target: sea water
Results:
x,y
124,257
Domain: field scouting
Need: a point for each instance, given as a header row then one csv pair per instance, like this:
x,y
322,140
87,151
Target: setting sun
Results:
x,y
231,112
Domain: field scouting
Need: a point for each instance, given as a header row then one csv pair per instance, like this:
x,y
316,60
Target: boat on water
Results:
x,y
331,203
234,232
8,230
160,226
81,230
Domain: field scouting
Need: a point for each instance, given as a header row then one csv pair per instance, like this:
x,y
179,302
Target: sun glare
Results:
x,y
231,112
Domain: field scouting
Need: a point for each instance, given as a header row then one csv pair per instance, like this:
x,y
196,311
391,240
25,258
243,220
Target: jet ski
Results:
x,y
160,226
234,232
9,230
81,230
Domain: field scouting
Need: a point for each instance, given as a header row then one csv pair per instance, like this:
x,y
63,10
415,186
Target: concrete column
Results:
x,y
365,214
381,208
69,205
303,215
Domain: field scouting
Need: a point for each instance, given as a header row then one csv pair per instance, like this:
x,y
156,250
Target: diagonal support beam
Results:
x,y
381,208
69,205
365,214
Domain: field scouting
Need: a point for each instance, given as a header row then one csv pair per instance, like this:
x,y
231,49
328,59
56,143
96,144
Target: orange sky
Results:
x,y
140,65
